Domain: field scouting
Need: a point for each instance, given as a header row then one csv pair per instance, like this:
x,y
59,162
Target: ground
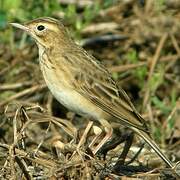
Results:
x,y
138,41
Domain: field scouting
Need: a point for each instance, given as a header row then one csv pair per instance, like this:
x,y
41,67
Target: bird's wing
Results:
x,y
94,82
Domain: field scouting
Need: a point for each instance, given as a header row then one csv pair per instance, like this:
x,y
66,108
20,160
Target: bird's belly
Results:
x,y
75,102
68,97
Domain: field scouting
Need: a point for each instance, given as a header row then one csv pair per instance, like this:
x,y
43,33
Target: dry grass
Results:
x,y
40,139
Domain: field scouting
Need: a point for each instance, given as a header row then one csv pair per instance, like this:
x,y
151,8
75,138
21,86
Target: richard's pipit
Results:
x,y
81,83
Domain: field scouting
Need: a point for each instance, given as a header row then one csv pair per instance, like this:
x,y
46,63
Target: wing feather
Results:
x,y
94,82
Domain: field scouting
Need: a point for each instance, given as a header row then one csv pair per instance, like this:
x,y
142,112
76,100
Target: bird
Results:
x,y
82,83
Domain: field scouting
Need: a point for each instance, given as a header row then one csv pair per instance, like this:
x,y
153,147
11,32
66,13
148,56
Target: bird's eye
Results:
x,y
40,28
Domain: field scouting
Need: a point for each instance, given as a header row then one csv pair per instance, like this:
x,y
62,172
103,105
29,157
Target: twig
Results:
x,y
168,119
126,67
15,85
23,167
175,44
82,3
12,160
22,93
44,136
154,62
47,163
83,138
122,68
94,28
174,81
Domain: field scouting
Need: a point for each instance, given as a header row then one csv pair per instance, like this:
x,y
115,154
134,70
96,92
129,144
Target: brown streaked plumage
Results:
x,y
80,82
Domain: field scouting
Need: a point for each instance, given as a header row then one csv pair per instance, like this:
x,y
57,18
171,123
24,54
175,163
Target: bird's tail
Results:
x,y
154,146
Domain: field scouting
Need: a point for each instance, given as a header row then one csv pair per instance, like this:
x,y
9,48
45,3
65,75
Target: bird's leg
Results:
x,y
128,142
136,155
98,133
117,138
109,131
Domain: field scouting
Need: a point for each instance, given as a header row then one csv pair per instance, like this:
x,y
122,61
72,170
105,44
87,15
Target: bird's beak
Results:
x,y
23,27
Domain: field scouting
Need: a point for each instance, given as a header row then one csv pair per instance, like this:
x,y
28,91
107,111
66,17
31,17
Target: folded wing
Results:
x,y
94,82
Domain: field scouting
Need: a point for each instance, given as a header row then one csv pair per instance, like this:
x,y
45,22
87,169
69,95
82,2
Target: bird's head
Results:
x,y
46,31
